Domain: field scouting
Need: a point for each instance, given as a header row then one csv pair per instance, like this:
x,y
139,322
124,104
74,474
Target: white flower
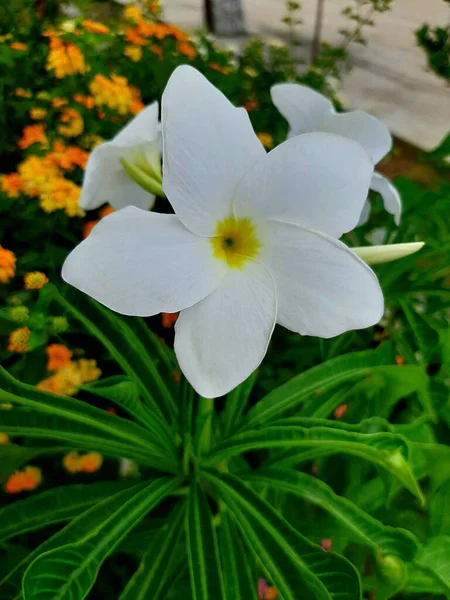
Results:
x,y
137,146
306,111
253,241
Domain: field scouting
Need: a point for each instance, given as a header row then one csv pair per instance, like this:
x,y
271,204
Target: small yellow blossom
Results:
x,y
113,92
26,480
19,314
132,13
4,439
133,52
58,357
87,101
21,93
33,134
7,265
37,114
19,340
95,27
68,379
18,46
35,280
11,184
58,102
86,463
64,58
74,124
60,193
266,140
4,38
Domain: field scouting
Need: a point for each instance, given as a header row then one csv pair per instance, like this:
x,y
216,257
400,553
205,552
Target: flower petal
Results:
x,y
357,125
221,340
316,180
208,146
141,263
323,288
365,213
105,180
303,108
391,198
142,128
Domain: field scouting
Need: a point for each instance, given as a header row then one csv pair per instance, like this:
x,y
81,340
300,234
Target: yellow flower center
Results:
x,y
235,242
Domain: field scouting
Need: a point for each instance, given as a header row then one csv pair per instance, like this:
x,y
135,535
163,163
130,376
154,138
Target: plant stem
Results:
x,y
317,31
204,419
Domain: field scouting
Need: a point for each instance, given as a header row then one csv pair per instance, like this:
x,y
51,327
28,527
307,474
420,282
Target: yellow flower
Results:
x,y
7,265
86,463
26,480
132,13
266,140
35,280
60,193
33,134
36,173
19,340
11,184
58,357
133,52
58,102
95,27
21,93
18,46
114,93
37,113
68,379
75,124
4,439
64,58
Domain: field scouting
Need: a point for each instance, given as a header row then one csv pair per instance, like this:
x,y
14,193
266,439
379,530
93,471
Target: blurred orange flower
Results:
x,y
11,184
58,357
33,134
7,265
95,27
19,339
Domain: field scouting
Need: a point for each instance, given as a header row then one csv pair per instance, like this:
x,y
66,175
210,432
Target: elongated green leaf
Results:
x,y
80,413
125,394
12,456
297,568
421,580
203,554
24,421
70,571
54,506
384,450
371,532
426,337
240,578
440,511
124,345
236,402
160,564
294,393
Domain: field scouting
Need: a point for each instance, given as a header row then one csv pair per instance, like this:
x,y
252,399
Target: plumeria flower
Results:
x,y
306,111
114,167
253,241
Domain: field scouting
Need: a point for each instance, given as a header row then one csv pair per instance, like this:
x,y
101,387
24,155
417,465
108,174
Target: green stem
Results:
x,y
204,419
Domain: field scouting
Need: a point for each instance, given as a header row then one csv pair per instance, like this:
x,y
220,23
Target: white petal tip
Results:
x,y
374,255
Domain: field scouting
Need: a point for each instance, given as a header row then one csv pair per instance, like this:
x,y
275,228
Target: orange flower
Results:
x,y
4,439
18,46
133,52
88,227
156,50
35,280
58,102
187,50
266,140
75,123
37,114
7,265
168,319
19,340
26,480
11,184
67,380
87,101
95,27
64,58
219,68
21,93
58,357
33,134
251,105
67,158
87,463
116,94
105,211
340,411
400,360
271,593
70,462
132,36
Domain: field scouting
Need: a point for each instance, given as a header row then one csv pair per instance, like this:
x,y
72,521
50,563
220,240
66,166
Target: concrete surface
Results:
x,y
390,78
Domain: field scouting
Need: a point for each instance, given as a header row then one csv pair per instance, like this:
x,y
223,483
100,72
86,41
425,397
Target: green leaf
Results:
x,y
70,571
440,511
160,564
420,580
203,554
294,393
236,402
54,506
436,558
116,335
22,421
239,576
371,532
427,337
384,450
294,565
12,456
79,413
125,393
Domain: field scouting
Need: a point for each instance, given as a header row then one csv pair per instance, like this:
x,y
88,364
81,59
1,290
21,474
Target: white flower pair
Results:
x,y
253,241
